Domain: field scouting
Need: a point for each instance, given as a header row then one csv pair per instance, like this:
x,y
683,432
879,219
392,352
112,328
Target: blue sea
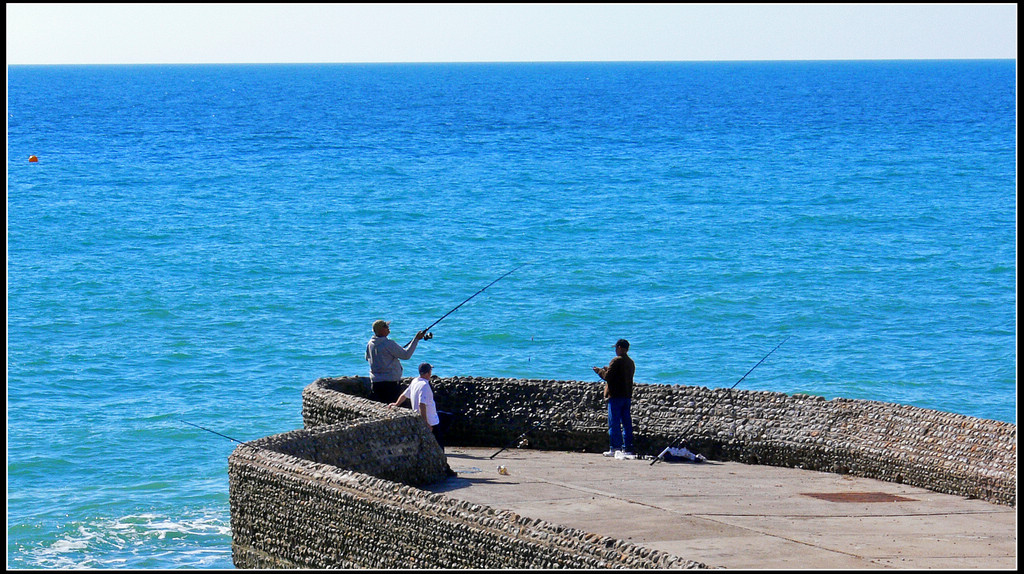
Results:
x,y
196,244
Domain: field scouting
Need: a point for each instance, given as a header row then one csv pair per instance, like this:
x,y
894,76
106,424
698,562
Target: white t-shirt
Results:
x,y
418,392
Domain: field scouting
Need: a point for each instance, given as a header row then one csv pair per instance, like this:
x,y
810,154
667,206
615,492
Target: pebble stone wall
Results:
x,y
342,491
343,495
944,452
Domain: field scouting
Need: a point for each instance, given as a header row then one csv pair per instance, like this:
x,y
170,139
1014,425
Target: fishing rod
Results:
x,y
519,439
218,434
516,440
659,457
467,301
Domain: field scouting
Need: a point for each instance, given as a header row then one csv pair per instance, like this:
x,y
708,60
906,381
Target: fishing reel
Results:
x,y
428,336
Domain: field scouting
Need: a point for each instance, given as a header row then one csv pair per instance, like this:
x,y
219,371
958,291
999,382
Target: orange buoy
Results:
x,y
32,158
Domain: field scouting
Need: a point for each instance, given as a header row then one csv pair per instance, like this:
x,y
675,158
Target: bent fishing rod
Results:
x,y
425,331
715,404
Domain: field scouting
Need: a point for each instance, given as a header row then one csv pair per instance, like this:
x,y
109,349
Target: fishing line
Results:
x,y
471,296
715,404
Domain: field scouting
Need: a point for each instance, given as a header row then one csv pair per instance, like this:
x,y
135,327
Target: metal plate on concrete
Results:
x,y
857,496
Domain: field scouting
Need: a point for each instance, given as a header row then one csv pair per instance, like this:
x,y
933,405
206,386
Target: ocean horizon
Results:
x,y
200,242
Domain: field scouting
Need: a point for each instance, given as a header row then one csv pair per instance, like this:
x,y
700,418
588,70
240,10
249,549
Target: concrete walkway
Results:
x,y
732,515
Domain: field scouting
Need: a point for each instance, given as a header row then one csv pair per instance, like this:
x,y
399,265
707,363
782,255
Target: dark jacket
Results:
x,y
619,377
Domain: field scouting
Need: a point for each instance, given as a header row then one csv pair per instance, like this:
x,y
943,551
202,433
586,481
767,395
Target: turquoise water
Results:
x,y
199,243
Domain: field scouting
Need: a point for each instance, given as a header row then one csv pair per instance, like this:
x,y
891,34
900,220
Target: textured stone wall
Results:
x,y
342,492
944,452
343,495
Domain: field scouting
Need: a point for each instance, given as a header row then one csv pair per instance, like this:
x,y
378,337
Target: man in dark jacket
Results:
x,y
618,389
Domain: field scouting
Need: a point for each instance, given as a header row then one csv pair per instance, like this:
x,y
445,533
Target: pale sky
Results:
x,y
342,33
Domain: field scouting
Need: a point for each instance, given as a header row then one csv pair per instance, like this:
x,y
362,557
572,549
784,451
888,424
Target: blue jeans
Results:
x,y
620,423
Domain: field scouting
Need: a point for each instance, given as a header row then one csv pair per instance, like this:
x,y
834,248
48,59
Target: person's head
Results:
x,y
426,370
381,327
621,347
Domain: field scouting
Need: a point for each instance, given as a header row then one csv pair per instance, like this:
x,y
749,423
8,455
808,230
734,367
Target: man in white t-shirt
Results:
x,y
421,396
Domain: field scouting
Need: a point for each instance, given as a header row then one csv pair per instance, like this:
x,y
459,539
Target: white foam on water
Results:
x,y
139,540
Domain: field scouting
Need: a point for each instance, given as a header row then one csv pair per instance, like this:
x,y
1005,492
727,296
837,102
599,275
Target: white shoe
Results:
x,y
610,453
